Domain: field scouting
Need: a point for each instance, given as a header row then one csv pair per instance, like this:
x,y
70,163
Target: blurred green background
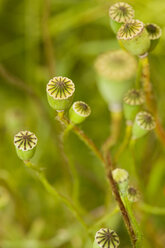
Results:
x,y
45,38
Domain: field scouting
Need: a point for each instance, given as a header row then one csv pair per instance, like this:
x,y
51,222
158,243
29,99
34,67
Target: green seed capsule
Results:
x,y
25,143
154,32
60,91
116,71
134,37
120,13
106,238
121,177
79,112
133,194
132,103
144,122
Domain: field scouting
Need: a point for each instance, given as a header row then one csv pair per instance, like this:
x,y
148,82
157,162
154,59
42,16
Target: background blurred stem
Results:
x,y
151,104
124,143
116,118
48,46
151,209
138,75
51,190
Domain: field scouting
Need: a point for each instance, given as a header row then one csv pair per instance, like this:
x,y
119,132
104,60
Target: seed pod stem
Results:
x,y
133,221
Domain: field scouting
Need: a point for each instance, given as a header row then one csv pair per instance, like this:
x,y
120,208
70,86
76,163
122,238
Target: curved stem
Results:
x,y
124,142
51,190
115,131
88,142
105,217
108,165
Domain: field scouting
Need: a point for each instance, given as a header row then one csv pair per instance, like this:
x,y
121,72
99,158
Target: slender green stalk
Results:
x,y
138,75
134,222
152,209
51,190
116,118
124,143
105,218
151,104
108,165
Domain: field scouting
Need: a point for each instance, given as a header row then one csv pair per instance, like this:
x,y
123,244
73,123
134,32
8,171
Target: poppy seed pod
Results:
x,y
120,13
25,143
60,91
144,122
79,112
121,177
106,238
133,194
134,37
154,33
116,71
132,103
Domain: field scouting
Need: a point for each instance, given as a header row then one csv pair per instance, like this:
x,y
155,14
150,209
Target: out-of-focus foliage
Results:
x,y
44,38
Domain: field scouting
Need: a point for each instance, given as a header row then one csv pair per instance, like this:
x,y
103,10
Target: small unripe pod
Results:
x,y
79,112
132,103
106,238
144,122
134,37
120,13
121,177
154,33
133,194
60,91
116,71
25,143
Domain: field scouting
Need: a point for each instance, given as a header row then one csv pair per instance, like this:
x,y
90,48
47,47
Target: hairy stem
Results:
x,y
108,166
134,222
123,210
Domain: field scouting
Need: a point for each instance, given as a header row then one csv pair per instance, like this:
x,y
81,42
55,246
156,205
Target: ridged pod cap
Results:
x,y
154,33
116,70
79,112
25,143
132,103
60,92
121,177
133,194
120,13
134,37
144,122
116,65
106,238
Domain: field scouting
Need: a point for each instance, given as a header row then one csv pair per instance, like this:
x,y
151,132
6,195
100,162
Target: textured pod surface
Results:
x,y
121,12
79,112
154,33
116,65
132,102
134,37
144,122
60,92
133,194
25,143
106,238
134,97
